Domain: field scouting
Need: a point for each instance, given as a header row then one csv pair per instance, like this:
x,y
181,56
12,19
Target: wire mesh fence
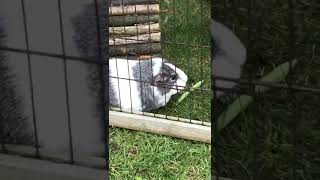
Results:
x,y
41,56
267,126
160,49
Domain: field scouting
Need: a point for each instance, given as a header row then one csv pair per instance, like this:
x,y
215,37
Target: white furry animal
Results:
x,y
151,84
228,56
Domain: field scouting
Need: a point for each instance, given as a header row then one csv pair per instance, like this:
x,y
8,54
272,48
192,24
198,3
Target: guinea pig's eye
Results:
x,y
173,77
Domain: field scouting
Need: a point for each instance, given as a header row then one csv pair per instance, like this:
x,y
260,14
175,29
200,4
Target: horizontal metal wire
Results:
x,y
168,85
268,84
54,55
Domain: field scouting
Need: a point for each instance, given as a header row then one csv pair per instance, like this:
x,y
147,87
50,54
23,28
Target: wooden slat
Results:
x,y
160,126
204,123
132,2
134,30
129,20
135,49
140,39
134,9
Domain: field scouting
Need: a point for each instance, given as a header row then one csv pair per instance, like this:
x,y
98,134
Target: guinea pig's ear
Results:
x,y
160,79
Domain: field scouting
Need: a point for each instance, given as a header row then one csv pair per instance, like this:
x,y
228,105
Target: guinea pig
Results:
x,y
228,56
152,83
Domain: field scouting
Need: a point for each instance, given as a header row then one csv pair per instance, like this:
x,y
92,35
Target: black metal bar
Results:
x,y
104,80
291,44
66,82
53,55
37,154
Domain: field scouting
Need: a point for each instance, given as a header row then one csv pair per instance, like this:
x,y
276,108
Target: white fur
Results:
x,y
127,89
122,68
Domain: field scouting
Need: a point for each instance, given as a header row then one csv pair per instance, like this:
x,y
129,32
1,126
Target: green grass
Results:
x,y
137,154
277,137
186,43
149,156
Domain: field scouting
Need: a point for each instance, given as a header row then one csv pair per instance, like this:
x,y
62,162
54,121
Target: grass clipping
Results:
x,y
278,74
194,87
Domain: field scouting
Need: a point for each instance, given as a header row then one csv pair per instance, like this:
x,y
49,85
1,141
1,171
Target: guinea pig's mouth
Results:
x,y
180,88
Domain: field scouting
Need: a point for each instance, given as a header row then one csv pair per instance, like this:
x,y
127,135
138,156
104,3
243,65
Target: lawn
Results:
x,y
186,43
139,155
277,137
136,154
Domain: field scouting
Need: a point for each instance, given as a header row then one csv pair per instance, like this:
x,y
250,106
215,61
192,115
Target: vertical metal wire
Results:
x,y
165,95
150,48
201,56
37,154
127,53
291,45
215,163
118,79
139,61
215,140
250,55
189,58
103,80
65,72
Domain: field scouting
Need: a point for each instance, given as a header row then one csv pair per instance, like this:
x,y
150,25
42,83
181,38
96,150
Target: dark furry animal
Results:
x,y
12,120
93,46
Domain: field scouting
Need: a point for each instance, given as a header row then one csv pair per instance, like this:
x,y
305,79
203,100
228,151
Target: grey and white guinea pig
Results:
x,y
228,56
152,83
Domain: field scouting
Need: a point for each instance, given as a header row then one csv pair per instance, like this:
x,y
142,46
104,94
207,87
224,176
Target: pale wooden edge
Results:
x,y
173,118
134,9
134,30
79,159
160,126
141,38
15,167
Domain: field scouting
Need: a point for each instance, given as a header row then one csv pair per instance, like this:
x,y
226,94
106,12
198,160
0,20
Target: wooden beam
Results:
x,y
132,2
160,126
55,156
134,30
129,20
140,39
134,49
17,167
134,9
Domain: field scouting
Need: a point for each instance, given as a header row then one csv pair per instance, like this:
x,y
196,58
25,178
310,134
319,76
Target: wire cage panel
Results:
x,y
170,32
266,127
51,75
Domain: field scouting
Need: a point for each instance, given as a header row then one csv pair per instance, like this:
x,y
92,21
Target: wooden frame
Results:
x,y
15,167
196,130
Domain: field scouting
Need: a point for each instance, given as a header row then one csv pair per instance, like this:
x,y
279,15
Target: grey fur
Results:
x,y
143,73
164,74
112,96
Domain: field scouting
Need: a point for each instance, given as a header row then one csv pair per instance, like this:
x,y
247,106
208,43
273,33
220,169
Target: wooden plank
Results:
x,y
80,159
160,126
203,123
134,30
17,167
142,38
132,2
139,57
134,49
130,20
134,9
